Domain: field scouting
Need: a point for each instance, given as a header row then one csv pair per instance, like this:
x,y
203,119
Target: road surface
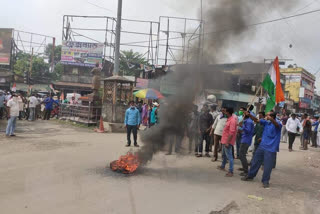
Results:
x,y
51,167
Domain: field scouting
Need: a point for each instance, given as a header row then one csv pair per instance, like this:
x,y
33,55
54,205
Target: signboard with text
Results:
x,y
81,53
5,46
303,105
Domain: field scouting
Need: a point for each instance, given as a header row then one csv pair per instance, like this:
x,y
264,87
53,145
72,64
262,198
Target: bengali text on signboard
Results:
x,y
81,53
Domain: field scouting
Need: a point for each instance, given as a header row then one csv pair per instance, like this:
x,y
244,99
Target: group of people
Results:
x,y
233,134
17,106
305,126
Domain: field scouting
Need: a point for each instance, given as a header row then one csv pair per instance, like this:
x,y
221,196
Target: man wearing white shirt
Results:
x,y
293,126
33,102
216,132
13,112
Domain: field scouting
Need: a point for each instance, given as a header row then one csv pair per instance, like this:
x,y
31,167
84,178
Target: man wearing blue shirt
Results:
x,y
315,131
132,122
49,101
246,139
267,150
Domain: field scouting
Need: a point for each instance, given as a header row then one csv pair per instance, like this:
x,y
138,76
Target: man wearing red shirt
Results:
x,y
228,140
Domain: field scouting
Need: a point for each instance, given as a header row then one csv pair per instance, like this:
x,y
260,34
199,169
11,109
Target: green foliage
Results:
x,y
22,63
40,68
57,53
131,57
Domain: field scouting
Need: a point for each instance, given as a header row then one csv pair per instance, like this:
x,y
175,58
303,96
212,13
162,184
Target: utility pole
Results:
x,y
52,55
167,46
30,69
118,36
200,32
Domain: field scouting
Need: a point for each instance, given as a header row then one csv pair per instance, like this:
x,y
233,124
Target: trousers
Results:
x,y
292,137
284,134
47,114
217,139
193,141
266,157
206,137
314,138
238,141
177,140
243,156
32,115
134,130
227,155
11,127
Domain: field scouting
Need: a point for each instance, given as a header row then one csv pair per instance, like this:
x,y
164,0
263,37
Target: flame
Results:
x,y
126,164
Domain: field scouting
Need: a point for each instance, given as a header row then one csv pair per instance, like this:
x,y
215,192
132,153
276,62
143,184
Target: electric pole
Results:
x,y
118,36
30,69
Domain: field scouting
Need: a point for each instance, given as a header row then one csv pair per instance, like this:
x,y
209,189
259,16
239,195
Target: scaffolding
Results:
x,y
163,42
26,41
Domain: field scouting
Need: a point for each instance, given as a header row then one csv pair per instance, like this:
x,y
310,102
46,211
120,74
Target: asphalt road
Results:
x,y
52,167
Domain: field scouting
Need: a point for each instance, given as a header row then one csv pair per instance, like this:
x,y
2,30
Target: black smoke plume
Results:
x,y
228,17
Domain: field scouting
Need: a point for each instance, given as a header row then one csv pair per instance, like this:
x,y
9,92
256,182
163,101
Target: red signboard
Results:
x,y
303,105
5,46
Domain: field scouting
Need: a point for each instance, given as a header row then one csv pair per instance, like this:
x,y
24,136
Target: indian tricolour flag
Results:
x,y
272,85
14,87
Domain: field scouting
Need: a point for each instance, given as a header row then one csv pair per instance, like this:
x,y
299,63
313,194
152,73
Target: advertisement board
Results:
x,y
81,53
301,92
303,105
142,83
5,46
293,78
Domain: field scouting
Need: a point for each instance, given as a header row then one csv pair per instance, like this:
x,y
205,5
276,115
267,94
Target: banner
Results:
x,y
5,46
81,53
142,83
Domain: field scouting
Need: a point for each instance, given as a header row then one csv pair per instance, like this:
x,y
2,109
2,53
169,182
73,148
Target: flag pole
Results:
x,y
255,96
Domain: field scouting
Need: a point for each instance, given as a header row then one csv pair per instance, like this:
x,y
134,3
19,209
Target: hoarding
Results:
x,y
5,46
301,92
142,83
81,53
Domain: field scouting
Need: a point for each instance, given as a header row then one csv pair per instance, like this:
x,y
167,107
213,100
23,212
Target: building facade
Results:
x,y
300,85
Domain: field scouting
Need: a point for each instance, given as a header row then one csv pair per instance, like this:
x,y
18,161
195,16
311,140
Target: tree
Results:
x,y
40,68
22,63
132,58
57,53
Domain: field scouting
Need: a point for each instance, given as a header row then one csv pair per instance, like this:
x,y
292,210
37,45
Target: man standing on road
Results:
x,y
303,121
214,113
192,129
267,150
132,122
246,140
315,124
239,133
2,99
205,123
228,140
33,102
13,113
49,101
258,131
216,132
284,132
293,126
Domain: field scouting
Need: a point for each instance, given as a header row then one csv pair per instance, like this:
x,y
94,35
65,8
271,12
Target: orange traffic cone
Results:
x,y
101,126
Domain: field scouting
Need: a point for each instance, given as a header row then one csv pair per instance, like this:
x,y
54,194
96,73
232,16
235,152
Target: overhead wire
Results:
x,y
245,26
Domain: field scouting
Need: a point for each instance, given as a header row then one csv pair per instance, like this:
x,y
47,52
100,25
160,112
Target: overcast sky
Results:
x,y
45,17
